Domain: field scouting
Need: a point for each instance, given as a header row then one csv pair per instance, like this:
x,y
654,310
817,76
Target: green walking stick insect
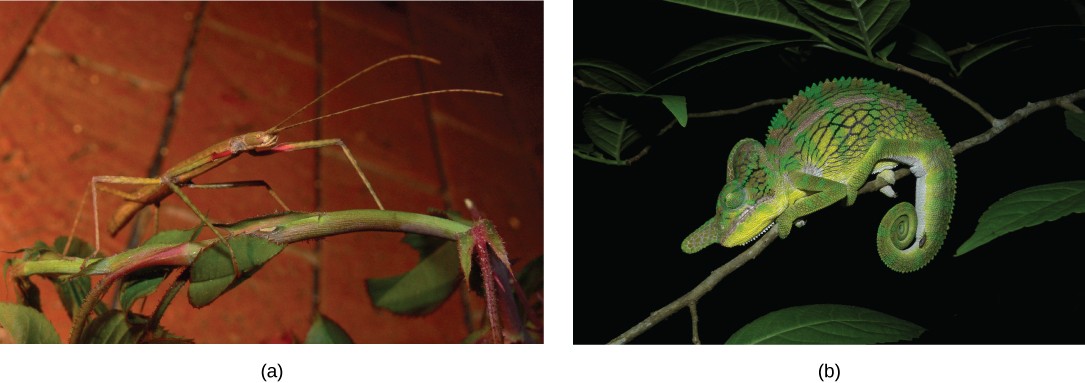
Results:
x,y
154,190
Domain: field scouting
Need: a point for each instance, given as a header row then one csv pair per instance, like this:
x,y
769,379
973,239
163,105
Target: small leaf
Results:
x,y
326,331
1076,123
677,106
465,247
213,272
140,285
982,51
925,48
885,51
420,290
825,324
26,325
608,75
531,276
79,248
1024,208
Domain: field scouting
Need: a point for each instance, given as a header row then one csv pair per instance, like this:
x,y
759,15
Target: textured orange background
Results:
x,y
91,95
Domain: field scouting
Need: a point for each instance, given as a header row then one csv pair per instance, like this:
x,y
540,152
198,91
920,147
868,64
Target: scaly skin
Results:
x,y
821,148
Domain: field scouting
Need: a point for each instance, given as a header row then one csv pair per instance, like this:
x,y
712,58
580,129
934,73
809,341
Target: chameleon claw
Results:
x,y
888,191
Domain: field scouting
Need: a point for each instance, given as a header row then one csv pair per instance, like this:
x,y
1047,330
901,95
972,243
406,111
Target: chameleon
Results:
x,y
821,147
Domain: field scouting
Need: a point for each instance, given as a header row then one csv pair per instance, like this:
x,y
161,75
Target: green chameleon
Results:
x,y
821,147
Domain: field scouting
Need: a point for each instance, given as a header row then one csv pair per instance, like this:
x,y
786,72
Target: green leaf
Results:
x,y
111,328
886,50
859,23
26,325
1017,39
120,327
925,48
465,246
326,331
140,285
73,291
423,288
982,51
1076,123
531,276
717,49
213,272
1024,208
825,324
607,75
773,12
79,249
172,237
610,133
677,106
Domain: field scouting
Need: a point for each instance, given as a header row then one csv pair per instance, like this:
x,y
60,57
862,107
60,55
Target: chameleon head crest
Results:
x,y
748,203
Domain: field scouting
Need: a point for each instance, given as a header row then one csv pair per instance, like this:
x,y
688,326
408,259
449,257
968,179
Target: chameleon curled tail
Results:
x,y
898,245
821,147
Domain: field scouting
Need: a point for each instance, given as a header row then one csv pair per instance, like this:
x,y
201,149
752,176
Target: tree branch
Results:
x,y
941,84
690,298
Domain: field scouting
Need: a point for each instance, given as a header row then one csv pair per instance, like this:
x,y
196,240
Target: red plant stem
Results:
x,y
487,272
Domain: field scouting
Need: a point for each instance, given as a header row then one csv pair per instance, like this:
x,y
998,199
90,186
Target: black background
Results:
x,y
1025,287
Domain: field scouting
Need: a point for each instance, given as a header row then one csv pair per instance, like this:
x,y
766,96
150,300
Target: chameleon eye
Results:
x,y
733,200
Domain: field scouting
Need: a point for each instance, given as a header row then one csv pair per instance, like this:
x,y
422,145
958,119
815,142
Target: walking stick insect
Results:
x,y
171,181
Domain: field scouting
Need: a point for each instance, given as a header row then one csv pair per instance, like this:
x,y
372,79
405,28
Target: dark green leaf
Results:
x,y
925,48
423,288
326,331
978,53
1024,208
1076,123
886,50
715,50
774,12
859,23
27,292
607,75
825,324
1017,39
172,237
111,328
677,106
531,276
423,244
213,272
139,286
73,291
465,247
119,327
610,133
79,249
26,325
720,45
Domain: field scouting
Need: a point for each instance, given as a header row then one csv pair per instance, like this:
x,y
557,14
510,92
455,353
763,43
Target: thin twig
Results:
x,y
703,288
693,315
724,112
691,297
941,84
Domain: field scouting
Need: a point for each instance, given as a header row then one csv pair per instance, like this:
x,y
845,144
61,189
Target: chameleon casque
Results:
x,y
821,147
